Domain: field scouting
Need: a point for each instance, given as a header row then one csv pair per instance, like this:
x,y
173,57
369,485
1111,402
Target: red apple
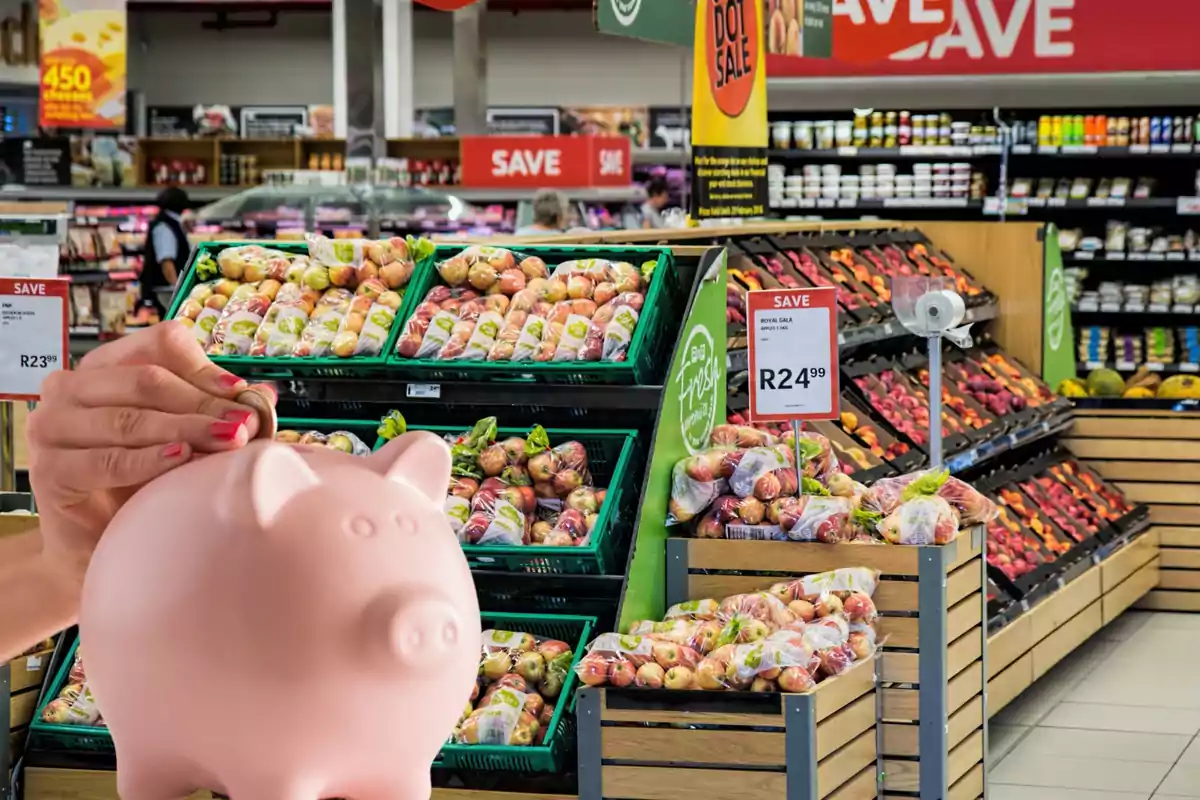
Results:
x,y
621,673
650,676
796,679
592,670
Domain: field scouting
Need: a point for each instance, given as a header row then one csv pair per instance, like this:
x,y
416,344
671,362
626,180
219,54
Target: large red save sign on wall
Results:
x,y
532,162
997,37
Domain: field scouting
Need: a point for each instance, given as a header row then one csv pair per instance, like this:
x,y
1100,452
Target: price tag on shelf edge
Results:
x,y
793,352
33,334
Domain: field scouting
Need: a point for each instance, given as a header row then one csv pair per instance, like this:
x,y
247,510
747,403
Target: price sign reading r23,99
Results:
x,y
793,354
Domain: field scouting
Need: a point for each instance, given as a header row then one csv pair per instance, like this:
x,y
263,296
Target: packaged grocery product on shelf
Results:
x,y
338,298
343,441
745,486
494,304
74,703
787,639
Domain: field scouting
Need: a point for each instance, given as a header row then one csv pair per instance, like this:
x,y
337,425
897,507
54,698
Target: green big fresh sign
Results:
x,y
667,21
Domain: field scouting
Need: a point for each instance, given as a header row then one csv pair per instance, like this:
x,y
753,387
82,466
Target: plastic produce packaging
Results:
x,y
344,441
318,335
521,679
787,638
972,507
74,704
234,332
923,520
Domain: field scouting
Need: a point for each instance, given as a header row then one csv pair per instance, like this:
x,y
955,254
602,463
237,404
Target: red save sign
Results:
x,y
33,334
872,30
533,162
793,354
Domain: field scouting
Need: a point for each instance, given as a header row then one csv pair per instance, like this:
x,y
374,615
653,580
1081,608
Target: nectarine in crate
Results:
x,y
932,627
658,744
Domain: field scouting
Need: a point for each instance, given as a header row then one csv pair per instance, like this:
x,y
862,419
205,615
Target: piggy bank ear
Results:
x,y
419,459
277,473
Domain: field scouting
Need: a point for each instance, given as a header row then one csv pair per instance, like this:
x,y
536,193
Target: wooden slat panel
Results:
x,y
904,776
962,582
1178,471
905,704
688,718
1129,413
963,721
834,695
44,783
905,740
1131,449
28,671
475,794
1051,613
1159,600
963,616
899,632
1058,644
968,684
845,725
889,595
1179,579
1170,493
863,786
1178,558
21,708
901,705
1010,643
969,786
899,668
1177,427
964,650
965,756
1135,587
1128,560
1169,536
664,783
845,764
1007,685
1175,515
962,550
798,558
683,746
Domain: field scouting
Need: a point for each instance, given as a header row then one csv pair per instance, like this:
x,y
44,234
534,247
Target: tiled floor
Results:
x,y
1117,720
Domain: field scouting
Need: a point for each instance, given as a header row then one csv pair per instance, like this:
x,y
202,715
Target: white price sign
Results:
x,y
33,334
793,348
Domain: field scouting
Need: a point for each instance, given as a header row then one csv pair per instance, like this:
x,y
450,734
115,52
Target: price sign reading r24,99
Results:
x,y
793,354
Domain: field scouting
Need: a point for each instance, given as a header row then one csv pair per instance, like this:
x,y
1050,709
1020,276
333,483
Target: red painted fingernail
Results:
x,y
237,417
172,451
227,381
225,431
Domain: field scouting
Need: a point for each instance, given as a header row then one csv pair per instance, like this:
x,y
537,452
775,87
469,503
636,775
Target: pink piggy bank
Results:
x,y
283,623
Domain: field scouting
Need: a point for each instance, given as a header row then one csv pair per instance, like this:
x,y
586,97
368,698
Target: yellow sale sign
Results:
x,y
83,74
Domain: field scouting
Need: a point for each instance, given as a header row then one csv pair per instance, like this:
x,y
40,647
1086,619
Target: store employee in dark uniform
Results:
x,y
167,246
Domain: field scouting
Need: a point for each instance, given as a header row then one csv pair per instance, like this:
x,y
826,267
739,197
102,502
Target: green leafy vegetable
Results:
x,y
537,441
419,247
206,268
812,486
391,426
925,485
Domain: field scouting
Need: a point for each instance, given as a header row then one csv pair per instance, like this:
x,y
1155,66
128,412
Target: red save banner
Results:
x,y
447,5
996,37
533,162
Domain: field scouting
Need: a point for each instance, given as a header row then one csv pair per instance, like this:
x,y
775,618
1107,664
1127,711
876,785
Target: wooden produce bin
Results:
x,y
932,665
1153,455
1025,649
660,745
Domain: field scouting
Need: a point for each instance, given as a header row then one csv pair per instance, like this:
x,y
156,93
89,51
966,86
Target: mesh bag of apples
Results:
x,y
520,680
497,305
787,638
745,486
518,490
340,299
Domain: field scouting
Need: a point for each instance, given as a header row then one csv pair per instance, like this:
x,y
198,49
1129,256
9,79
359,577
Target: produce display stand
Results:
x,y
1151,449
652,744
1084,601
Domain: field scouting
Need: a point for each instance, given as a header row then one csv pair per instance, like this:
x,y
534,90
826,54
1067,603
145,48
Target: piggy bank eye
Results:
x,y
405,524
360,526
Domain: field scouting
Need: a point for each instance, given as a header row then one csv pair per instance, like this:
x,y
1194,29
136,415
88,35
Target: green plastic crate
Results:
x,y
67,738
549,756
649,337
288,366
612,458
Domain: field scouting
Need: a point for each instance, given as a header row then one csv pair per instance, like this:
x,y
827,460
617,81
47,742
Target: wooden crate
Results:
x,y
661,745
1154,457
1029,646
931,602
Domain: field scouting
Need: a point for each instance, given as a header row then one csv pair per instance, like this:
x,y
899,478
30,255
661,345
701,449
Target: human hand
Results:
x,y
133,410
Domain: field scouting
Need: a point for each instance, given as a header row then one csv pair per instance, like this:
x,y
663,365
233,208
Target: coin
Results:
x,y
268,422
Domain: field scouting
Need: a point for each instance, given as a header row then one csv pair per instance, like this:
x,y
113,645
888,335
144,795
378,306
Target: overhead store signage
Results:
x,y
532,162
800,28
996,37
667,21
793,354
82,68
33,334
729,111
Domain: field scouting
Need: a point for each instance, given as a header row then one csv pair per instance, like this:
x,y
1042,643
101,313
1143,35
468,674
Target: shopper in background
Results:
x,y
549,214
167,247
657,197
133,410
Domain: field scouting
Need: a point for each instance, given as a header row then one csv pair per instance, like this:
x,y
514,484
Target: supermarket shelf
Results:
x,y
1139,310
203,194
1093,151
1131,366
1093,256
592,194
887,203
659,155
598,396
1060,421
1098,203
908,151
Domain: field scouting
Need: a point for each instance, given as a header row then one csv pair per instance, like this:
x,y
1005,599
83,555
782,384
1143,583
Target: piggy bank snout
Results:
x,y
423,631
